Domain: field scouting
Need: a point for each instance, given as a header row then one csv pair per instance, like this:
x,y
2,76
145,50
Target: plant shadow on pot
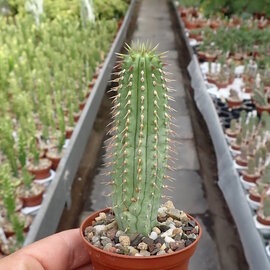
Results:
x,y
103,260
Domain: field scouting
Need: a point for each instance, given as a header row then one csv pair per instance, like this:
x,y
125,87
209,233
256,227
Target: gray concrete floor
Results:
x,y
154,25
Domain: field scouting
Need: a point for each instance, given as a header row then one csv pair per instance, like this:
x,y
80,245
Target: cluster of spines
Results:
x,y
140,139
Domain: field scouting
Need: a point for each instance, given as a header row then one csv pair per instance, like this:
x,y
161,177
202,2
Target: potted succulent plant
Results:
x,y
134,225
242,159
236,145
263,213
234,101
55,154
9,198
234,129
39,167
251,175
261,100
30,192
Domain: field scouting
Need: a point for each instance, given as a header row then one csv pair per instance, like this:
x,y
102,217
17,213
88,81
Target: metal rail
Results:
x,y
59,193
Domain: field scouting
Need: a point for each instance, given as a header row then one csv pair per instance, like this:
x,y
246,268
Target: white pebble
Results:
x,y
99,228
153,235
161,252
172,226
192,236
167,233
119,233
157,230
169,239
162,212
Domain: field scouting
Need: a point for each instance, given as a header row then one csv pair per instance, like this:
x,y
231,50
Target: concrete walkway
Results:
x,y
154,25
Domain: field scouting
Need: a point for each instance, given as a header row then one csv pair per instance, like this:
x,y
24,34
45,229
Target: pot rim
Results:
x,y
84,223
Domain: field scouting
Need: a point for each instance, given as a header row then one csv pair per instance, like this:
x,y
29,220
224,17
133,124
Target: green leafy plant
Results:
x,y
140,140
27,178
34,150
18,228
22,144
7,190
8,144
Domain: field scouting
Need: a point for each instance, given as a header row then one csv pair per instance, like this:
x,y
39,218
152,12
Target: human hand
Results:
x,y
61,251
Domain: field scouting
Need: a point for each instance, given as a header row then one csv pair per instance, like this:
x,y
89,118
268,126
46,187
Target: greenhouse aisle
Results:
x,y
187,194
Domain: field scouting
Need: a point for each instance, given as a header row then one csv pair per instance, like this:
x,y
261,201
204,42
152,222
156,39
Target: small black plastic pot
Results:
x,y
224,114
226,123
236,113
221,105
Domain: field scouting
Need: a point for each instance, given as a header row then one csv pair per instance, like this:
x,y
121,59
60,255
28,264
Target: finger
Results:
x,y
61,251
86,267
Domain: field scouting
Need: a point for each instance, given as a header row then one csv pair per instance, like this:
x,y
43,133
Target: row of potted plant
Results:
x,y
227,8
218,49
47,73
249,142
235,63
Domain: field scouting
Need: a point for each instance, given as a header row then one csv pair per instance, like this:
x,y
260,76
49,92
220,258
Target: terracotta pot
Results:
x,y
69,132
198,37
210,58
231,134
55,159
41,173
241,162
211,78
82,105
76,117
215,25
261,109
254,197
26,229
234,103
32,201
231,79
250,178
87,94
191,25
91,84
201,55
119,23
235,147
248,90
222,84
262,219
103,260
247,78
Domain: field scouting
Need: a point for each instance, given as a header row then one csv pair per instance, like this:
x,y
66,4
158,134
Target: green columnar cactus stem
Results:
x,y
141,117
233,124
251,166
266,175
266,206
